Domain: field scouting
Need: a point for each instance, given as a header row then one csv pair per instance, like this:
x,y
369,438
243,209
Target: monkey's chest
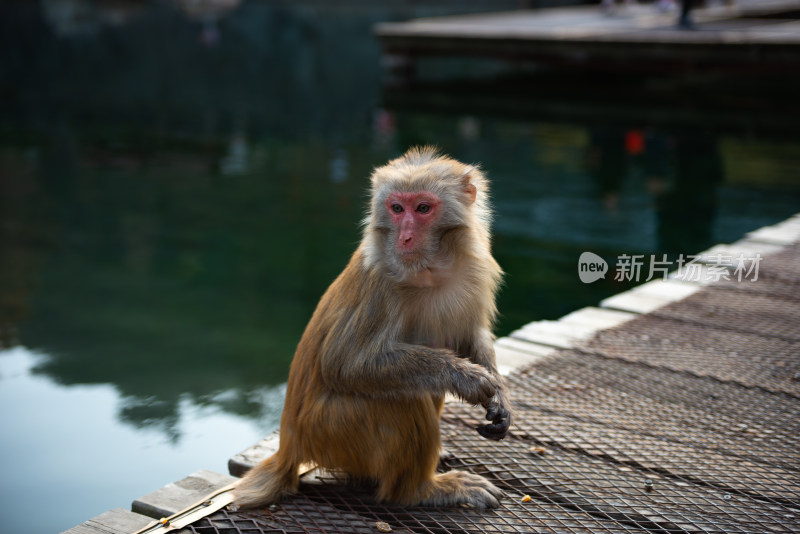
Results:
x,y
438,323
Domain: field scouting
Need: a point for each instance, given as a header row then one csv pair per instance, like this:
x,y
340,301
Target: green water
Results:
x,y
178,191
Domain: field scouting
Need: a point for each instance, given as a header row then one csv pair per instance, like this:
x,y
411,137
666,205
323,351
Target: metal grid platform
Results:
x,y
740,311
686,420
664,339
777,276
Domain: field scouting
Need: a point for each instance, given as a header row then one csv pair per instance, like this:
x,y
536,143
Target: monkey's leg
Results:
x,y
408,474
409,450
444,454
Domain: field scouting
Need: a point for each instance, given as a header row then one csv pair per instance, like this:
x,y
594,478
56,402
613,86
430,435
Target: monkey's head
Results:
x,y
421,204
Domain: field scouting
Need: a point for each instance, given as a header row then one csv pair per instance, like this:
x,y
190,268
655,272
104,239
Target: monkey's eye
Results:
x,y
423,208
397,208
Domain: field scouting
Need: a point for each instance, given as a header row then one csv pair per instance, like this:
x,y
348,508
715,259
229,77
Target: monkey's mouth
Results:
x,y
410,256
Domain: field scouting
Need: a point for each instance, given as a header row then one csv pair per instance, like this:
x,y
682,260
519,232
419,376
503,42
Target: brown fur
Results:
x,y
388,339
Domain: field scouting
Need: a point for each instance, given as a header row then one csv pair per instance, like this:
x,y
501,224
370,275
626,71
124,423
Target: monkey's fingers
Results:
x,y
495,410
501,421
494,431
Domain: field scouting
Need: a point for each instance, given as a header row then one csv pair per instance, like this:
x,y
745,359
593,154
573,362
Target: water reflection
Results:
x,y
177,192
63,445
686,206
157,269
69,18
682,171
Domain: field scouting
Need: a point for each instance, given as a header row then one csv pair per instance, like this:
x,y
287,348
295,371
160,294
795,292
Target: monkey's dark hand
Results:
x,y
500,419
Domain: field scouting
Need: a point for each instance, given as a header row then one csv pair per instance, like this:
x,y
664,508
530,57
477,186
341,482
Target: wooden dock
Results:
x,y
670,408
756,33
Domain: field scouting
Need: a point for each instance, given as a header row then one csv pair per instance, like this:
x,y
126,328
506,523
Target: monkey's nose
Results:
x,y
406,241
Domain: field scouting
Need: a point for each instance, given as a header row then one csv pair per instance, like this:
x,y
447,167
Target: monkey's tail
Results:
x,y
267,482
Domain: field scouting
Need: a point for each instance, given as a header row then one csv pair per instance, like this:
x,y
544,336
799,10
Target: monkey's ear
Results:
x,y
469,187
471,191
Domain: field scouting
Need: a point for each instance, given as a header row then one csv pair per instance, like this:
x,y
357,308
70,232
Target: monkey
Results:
x,y
408,320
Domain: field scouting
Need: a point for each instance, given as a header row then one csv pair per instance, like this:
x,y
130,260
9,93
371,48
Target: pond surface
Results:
x,y
179,187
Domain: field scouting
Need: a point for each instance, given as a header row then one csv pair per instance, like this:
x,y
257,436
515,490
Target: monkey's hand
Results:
x,y
500,419
473,383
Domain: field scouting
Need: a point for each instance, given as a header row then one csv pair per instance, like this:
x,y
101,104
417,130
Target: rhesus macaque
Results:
x,y
408,321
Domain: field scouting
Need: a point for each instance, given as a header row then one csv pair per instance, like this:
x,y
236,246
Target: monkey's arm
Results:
x,y
498,408
401,369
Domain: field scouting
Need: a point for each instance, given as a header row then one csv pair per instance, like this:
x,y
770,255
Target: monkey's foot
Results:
x,y
458,487
444,457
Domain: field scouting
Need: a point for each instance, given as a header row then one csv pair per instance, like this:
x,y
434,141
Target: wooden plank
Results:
x,y
116,521
241,463
591,319
509,358
634,302
783,233
650,296
570,329
550,333
175,497
525,347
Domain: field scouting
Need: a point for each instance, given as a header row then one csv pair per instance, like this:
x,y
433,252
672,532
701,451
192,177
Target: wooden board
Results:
x,y
116,521
176,496
650,296
241,463
784,233
511,354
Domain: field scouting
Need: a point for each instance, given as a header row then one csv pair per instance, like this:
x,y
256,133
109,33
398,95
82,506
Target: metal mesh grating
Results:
x,y
750,359
686,420
574,489
777,275
767,284
607,427
742,311
782,265
591,396
589,476
768,306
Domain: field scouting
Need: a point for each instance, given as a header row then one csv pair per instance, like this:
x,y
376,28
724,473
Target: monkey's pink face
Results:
x,y
412,214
